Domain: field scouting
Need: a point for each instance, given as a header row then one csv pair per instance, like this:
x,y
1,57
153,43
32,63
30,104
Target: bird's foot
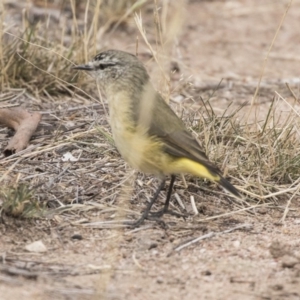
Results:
x,y
155,216
160,213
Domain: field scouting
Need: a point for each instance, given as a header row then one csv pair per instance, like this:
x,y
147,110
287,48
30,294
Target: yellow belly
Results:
x,y
142,153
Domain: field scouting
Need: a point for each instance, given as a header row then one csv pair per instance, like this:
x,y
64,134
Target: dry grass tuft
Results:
x,y
38,55
25,60
36,63
18,201
263,158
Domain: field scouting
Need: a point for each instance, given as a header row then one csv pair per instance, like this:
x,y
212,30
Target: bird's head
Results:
x,y
110,65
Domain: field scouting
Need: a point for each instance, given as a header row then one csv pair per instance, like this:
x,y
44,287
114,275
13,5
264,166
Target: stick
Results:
x,y
23,122
208,235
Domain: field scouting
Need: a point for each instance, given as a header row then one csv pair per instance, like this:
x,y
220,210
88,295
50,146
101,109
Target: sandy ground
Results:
x,y
244,255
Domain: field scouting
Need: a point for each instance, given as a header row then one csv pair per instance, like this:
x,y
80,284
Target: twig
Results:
x,y
19,272
291,107
23,122
208,235
291,91
196,212
286,210
10,169
137,262
179,201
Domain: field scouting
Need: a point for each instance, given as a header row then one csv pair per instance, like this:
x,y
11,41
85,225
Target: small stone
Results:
x,y
128,238
289,261
207,273
236,244
160,280
277,287
153,245
37,247
277,249
76,236
262,210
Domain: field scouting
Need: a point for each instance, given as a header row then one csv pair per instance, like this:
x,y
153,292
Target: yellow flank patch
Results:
x,y
185,165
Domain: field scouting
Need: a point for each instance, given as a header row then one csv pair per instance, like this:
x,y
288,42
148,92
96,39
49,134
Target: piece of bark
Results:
x,y
23,122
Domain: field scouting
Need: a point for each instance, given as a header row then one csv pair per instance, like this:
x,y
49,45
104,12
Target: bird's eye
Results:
x,y
106,65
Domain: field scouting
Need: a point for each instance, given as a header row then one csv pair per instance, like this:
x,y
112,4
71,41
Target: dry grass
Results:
x,y
262,158
18,201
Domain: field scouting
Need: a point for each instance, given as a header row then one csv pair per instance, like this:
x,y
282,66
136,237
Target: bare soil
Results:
x,y
248,254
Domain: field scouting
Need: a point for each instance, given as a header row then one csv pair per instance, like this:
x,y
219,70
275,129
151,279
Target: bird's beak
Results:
x,y
83,67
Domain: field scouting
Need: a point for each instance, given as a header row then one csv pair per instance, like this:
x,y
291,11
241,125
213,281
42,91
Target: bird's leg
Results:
x,y
147,214
148,208
166,210
166,206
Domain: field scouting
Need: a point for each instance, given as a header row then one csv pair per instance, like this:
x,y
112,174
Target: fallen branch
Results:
x,y
23,122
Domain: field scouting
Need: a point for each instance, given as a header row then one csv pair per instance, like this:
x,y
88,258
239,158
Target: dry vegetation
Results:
x,y
72,173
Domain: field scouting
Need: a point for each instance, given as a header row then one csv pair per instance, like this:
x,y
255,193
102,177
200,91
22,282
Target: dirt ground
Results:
x,y
247,255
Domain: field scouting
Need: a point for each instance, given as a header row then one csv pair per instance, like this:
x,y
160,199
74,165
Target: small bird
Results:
x,y
147,132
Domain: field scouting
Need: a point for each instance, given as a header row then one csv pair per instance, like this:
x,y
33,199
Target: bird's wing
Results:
x,y
177,140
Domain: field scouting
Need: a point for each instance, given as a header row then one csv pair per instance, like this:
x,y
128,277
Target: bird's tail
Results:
x,y
229,187
204,170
